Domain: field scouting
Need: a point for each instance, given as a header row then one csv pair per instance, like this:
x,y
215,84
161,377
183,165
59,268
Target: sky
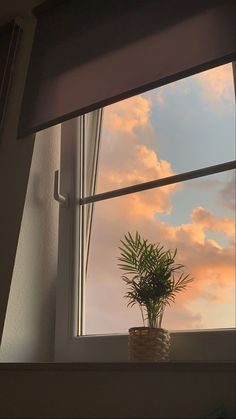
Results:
x,y
179,127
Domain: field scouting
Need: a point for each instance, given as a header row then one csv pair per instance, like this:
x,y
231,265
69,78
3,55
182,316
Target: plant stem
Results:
x,y
141,309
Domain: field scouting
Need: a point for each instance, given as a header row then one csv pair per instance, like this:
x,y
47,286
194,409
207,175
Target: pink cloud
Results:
x,y
217,83
147,167
128,143
128,114
179,317
139,162
212,266
209,221
202,221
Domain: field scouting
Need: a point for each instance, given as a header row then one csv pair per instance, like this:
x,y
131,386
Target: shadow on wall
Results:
x,y
30,321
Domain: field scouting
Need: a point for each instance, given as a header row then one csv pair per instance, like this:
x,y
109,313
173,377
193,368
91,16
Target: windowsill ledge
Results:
x,y
193,366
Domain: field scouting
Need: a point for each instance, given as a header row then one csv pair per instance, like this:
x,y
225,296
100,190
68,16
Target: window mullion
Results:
x,y
92,147
206,171
82,228
89,141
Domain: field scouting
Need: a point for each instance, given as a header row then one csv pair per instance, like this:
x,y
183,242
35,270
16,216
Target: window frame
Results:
x,y
198,345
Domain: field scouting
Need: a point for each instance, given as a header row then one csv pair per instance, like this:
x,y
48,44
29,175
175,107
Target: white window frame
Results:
x,y
74,222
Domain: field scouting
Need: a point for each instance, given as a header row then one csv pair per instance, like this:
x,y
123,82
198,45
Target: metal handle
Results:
x,y
62,199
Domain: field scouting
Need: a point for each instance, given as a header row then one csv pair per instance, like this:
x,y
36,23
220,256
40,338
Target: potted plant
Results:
x,y
153,279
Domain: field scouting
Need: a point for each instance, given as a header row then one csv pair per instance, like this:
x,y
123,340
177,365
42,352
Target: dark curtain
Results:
x,y
9,40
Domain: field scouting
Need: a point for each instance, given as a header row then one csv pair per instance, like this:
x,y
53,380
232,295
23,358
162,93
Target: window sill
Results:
x,y
186,347
226,366
116,390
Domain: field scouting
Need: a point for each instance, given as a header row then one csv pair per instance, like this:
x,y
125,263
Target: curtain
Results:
x,y
9,40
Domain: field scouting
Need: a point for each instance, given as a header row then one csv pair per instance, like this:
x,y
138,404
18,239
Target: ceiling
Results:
x,y
11,8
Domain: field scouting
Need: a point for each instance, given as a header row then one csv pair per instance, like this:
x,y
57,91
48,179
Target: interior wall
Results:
x,y
15,156
30,320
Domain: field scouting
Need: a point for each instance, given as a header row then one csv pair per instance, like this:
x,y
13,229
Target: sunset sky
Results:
x,y
183,126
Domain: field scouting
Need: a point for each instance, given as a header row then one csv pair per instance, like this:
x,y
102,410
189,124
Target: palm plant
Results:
x,y
152,276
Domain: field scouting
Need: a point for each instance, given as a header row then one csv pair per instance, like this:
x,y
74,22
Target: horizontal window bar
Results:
x,y
159,182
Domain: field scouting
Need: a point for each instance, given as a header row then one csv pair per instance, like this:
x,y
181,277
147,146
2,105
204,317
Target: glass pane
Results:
x,y
197,218
179,127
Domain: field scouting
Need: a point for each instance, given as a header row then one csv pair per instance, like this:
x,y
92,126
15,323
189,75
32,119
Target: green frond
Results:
x,y
151,274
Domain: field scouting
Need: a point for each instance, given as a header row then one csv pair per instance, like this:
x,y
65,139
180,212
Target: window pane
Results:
x,y
179,127
197,218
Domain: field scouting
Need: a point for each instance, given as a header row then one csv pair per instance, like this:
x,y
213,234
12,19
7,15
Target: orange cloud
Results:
x,y
139,162
128,114
217,83
127,144
147,204
208,221
212,266
143,165
148,167
202,221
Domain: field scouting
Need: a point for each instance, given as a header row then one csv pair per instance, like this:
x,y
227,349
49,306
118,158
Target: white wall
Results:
x,y
29,326
15,159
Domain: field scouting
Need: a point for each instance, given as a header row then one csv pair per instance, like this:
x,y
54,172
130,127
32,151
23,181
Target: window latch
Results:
x,y
62,199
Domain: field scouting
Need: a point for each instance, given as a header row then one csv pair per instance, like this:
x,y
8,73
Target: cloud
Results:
x,y
127,140
147,167
227,194
126,127
160,96
202,221
208,221
180,317
212,266
140,164
128,114
128,157
216,87
217,83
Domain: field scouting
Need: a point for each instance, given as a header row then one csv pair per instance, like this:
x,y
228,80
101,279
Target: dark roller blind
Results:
x,y
9,38
89,54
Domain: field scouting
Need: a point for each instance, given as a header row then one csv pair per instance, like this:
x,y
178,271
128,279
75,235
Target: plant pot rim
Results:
x,y
146,328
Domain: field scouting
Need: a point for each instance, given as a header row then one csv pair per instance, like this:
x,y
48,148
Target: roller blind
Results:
x,y
89,55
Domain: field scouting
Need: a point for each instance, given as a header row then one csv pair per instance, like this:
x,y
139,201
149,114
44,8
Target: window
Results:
x,y
160,163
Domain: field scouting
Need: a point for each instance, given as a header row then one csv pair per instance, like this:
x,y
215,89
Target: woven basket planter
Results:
x,y
147,344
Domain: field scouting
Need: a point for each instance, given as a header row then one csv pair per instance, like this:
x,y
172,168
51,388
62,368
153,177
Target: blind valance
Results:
x,y
89,54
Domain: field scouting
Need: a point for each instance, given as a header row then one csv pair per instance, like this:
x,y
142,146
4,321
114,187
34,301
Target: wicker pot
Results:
x,y
146,344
